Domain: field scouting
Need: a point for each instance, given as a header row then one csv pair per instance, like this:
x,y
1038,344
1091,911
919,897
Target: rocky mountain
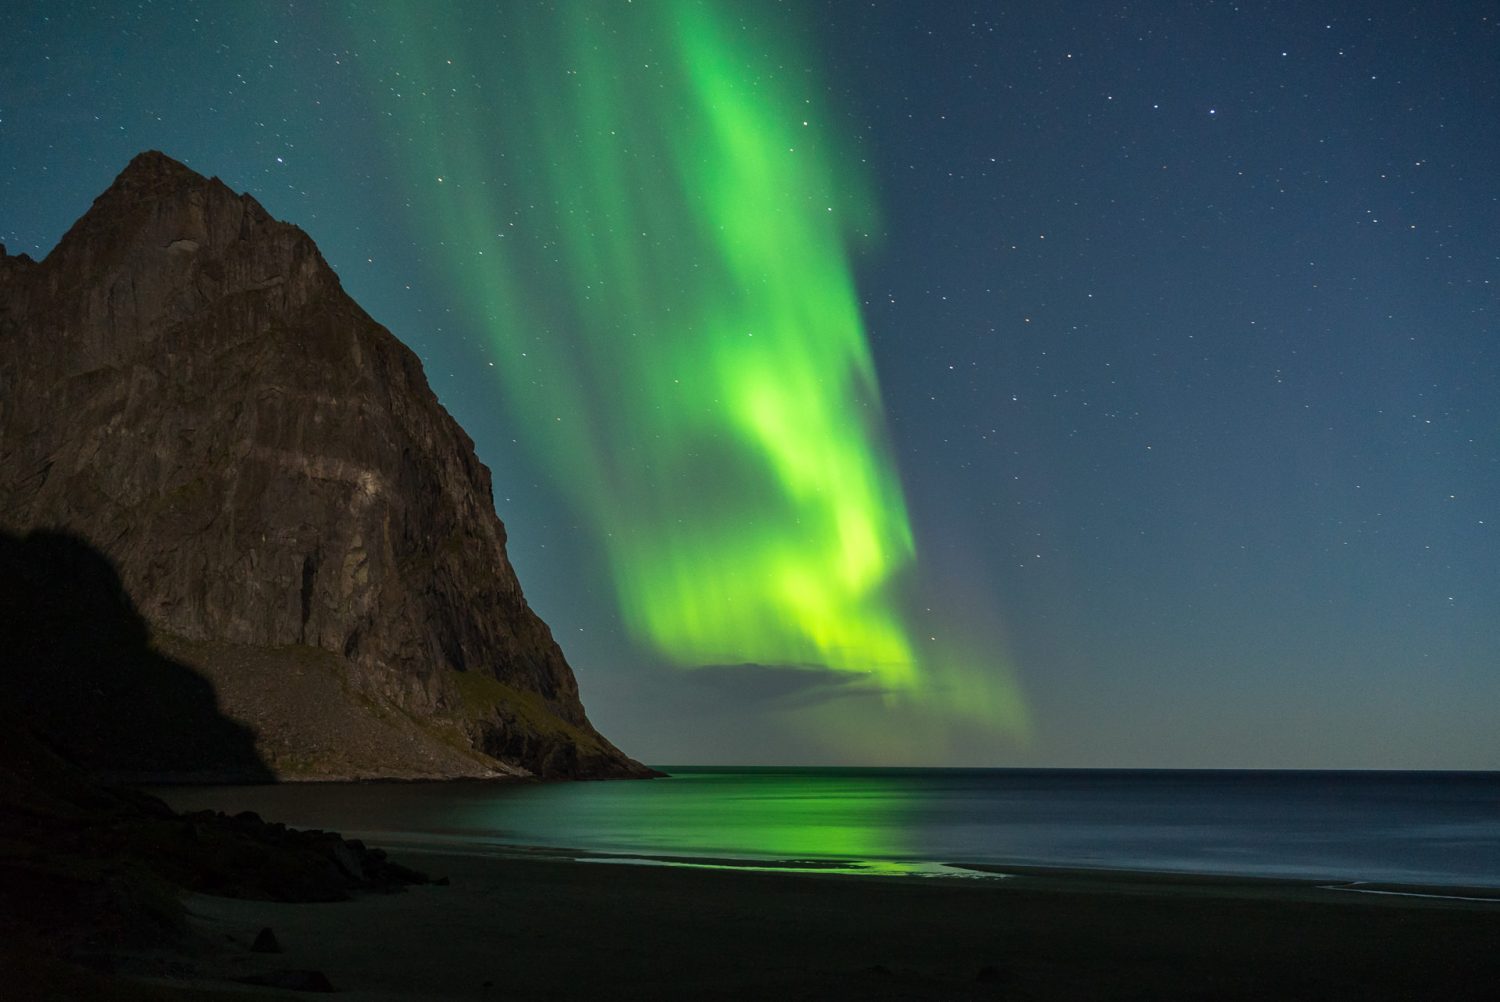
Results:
x,y
187,392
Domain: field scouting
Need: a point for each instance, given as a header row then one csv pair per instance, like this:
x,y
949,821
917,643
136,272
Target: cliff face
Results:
x,y
185,385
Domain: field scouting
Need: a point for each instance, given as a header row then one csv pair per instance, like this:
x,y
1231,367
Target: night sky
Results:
x,y
1127,392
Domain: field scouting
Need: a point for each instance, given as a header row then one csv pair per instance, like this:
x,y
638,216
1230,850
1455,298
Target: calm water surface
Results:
x,y
1427,828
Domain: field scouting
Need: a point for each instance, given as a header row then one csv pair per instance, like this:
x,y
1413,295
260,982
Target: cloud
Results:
x,y
782,685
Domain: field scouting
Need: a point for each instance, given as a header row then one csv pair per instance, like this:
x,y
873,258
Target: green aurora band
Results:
x,y
649,213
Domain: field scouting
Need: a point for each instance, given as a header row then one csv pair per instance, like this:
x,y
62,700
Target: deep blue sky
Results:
x,y
1185,315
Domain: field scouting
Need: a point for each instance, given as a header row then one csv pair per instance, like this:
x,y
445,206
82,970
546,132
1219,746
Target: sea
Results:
x,y
1438,830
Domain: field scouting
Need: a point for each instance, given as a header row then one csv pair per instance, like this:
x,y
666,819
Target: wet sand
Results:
x,y
546,928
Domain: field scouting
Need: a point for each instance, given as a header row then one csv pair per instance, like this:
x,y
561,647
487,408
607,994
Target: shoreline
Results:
x,y
1119,877
939,870
548,927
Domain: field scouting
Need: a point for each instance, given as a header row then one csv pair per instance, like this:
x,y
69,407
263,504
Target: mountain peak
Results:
x,y
155,163
153,171
152,175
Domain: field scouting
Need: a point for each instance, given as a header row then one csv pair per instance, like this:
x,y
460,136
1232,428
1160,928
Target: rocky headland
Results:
x,y
269,510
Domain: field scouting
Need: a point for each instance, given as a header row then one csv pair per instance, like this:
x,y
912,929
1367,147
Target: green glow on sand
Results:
x,y
652,214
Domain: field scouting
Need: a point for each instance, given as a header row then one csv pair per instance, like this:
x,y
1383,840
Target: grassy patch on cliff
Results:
x,y
483,694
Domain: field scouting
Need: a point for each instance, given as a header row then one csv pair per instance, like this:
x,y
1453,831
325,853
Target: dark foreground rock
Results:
x,y
265,942
91,874
185,386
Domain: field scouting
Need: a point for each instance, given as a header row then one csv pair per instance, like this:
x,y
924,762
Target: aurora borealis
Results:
x,y
1100,387
677,323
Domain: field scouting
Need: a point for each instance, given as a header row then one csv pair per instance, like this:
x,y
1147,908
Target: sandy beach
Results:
x,y
554,929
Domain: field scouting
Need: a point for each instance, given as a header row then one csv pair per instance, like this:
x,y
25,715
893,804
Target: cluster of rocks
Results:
x,y
321,865
92,872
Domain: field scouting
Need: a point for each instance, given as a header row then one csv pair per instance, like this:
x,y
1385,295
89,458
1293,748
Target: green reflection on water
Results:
x,y
860,822
854,821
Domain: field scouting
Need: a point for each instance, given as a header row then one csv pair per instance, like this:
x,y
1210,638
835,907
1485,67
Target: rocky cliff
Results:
x,y
185,386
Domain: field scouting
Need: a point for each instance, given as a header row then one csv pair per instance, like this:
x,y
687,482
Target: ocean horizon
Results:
x,y
1416,828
